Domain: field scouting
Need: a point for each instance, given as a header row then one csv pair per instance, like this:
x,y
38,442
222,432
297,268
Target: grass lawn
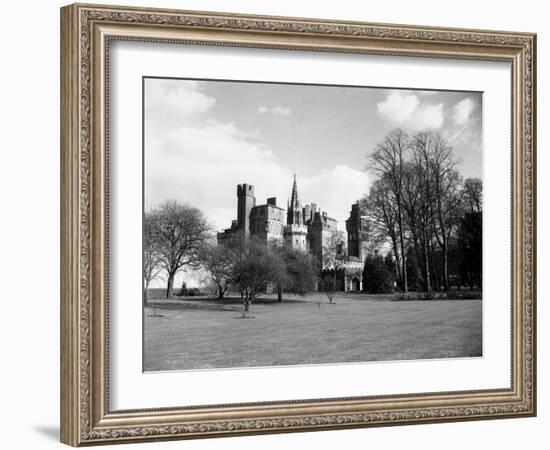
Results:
x,y
208,333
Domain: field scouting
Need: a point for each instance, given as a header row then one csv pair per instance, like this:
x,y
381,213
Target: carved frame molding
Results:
x,y
86,31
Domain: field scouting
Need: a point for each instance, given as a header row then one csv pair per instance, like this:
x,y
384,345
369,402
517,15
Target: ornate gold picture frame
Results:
x,y
87,31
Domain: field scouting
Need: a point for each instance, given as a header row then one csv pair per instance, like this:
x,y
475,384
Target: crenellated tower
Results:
x,y
356,226
245,202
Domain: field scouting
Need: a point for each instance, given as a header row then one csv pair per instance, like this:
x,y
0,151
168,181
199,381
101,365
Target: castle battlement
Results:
x,y
295,228
295,236
245,189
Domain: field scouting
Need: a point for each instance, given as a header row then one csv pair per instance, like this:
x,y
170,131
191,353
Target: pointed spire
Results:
x,y
294,211
294,197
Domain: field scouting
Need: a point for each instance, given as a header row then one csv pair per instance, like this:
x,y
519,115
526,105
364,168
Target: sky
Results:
x,y
202,138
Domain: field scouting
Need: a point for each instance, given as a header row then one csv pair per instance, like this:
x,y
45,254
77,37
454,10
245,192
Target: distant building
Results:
x,y
305,228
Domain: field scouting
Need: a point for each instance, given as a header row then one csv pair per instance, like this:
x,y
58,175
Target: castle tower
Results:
x,y
322,234
245,202
295,232
356,226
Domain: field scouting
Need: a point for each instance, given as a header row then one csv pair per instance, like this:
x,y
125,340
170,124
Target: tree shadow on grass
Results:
x,y
195,305
211,303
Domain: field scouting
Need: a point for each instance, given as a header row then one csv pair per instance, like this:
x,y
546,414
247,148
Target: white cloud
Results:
x,y
465,128
282,111
427,117
174,100
203,165
335,190
406,110
463,110
398,107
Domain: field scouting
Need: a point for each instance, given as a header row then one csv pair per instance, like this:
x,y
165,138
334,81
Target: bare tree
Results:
x,y
151,258
473,197
256,269
388,161
423,168
333,260
417,204
382,215
218,261
445,190
414,206
470,234
180,231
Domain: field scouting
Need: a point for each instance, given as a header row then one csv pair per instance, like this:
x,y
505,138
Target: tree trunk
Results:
x,y
402,245
445,268
427,268
396,270
145,292
400,218
404,264
418,262
221,291
398,266
170,286
279,294
436,278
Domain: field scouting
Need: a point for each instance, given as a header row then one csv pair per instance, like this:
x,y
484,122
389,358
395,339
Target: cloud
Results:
x,y
465,127
398,107
463,110
282,111
195,159
335,190
427,93
173,101
407,111
202,166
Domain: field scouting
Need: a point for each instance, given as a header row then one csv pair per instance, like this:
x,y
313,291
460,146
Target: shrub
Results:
x,y
183,291
378,277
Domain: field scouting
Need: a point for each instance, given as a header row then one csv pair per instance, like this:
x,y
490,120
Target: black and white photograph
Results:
x,y
298,224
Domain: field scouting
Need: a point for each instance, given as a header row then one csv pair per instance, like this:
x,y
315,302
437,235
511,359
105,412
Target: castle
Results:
x,y
306,228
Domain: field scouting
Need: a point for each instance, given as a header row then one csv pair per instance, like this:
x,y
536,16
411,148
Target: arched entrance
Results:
x,y
355,284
